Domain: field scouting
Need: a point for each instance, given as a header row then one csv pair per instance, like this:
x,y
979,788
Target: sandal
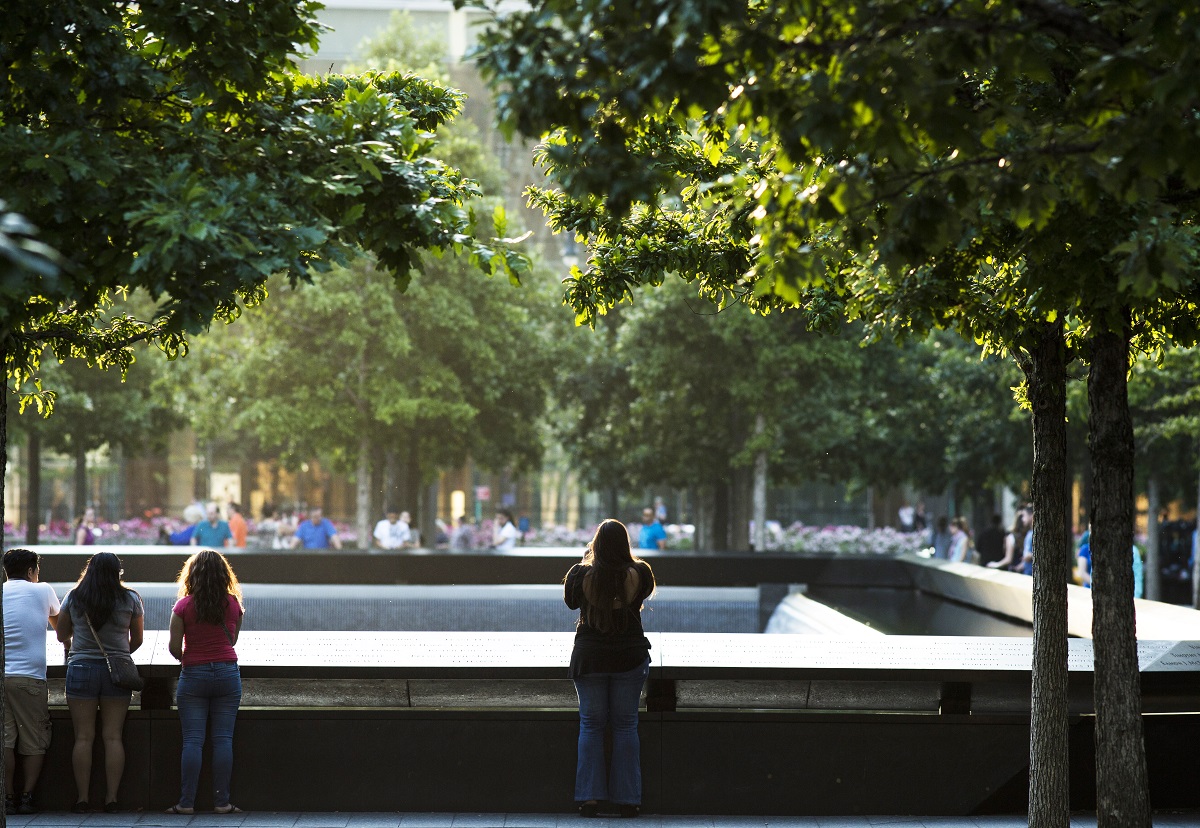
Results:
x,y
228,809
176,809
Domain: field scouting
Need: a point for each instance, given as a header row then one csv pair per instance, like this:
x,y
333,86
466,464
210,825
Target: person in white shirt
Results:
x,y
393,532
504,534
28,605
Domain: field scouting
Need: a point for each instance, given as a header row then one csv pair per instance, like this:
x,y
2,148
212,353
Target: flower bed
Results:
x,y
838,540
844,540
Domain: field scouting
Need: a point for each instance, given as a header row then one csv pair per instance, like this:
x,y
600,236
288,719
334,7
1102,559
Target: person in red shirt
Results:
x,y
237,526
205,624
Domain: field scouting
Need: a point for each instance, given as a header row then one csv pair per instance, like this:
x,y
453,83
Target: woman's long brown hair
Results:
x,y
606,586
99,588
209,579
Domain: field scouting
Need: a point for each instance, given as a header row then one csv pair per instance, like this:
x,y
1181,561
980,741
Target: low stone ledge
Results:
x,y
750,672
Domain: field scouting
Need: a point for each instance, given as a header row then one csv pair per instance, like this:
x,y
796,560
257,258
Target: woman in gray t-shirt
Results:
x,y
115,613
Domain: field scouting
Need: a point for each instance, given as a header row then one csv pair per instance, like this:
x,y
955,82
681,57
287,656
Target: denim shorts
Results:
x,y
88,678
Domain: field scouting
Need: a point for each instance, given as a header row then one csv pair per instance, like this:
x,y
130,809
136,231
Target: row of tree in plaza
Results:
x,y
664,392
1022,172
668,392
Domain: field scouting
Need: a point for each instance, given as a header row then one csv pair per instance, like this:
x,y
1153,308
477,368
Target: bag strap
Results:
x,y
95,637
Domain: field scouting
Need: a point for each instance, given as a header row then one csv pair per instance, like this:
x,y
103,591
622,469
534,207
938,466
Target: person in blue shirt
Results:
x,y
1083,561
653,535
211,532
317,532
1084,565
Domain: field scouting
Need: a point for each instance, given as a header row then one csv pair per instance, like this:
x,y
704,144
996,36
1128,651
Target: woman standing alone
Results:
x,y
204,627
609,665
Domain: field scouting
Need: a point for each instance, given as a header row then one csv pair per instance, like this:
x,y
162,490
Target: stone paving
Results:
x,y
448,820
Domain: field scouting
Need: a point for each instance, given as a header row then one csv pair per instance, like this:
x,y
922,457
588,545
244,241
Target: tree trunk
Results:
x,y
81,487
1152,568
983,506
207,471
429,514
362,491
740,510
760,489
411,502
1085,497
33,508
1122,797
301,489
1196,544
391,480
378,493
720,515
1049,791
3,475
702,500
275,493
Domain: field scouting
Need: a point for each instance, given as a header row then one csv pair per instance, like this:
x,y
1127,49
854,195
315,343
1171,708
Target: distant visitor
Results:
x,y
393,532
504,533
316,532
652,534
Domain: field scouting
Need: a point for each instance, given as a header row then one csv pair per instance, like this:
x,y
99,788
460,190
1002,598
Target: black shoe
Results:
x,y
10,807
629,811
25,804
81,807
589,809
112,807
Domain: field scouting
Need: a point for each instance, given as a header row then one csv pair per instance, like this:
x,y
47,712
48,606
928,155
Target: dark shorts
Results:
x,y
88,678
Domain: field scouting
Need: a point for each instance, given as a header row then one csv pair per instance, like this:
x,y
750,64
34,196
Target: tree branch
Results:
x,y
47,335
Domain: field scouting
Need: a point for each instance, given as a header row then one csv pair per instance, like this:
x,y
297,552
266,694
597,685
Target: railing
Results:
x,y
929,674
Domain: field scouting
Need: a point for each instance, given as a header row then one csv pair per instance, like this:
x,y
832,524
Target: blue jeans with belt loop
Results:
x,y
207,694
610,699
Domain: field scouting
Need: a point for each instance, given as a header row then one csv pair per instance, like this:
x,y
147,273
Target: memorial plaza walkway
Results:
x,y
450,820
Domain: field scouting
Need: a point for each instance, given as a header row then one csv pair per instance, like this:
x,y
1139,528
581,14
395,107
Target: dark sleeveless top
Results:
x,y
600,652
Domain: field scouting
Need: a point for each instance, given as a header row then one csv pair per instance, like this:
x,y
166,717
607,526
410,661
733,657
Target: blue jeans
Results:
x,y
207,693
610,699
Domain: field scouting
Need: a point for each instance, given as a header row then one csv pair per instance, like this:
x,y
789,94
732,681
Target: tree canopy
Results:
x,y
177,151
897,140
